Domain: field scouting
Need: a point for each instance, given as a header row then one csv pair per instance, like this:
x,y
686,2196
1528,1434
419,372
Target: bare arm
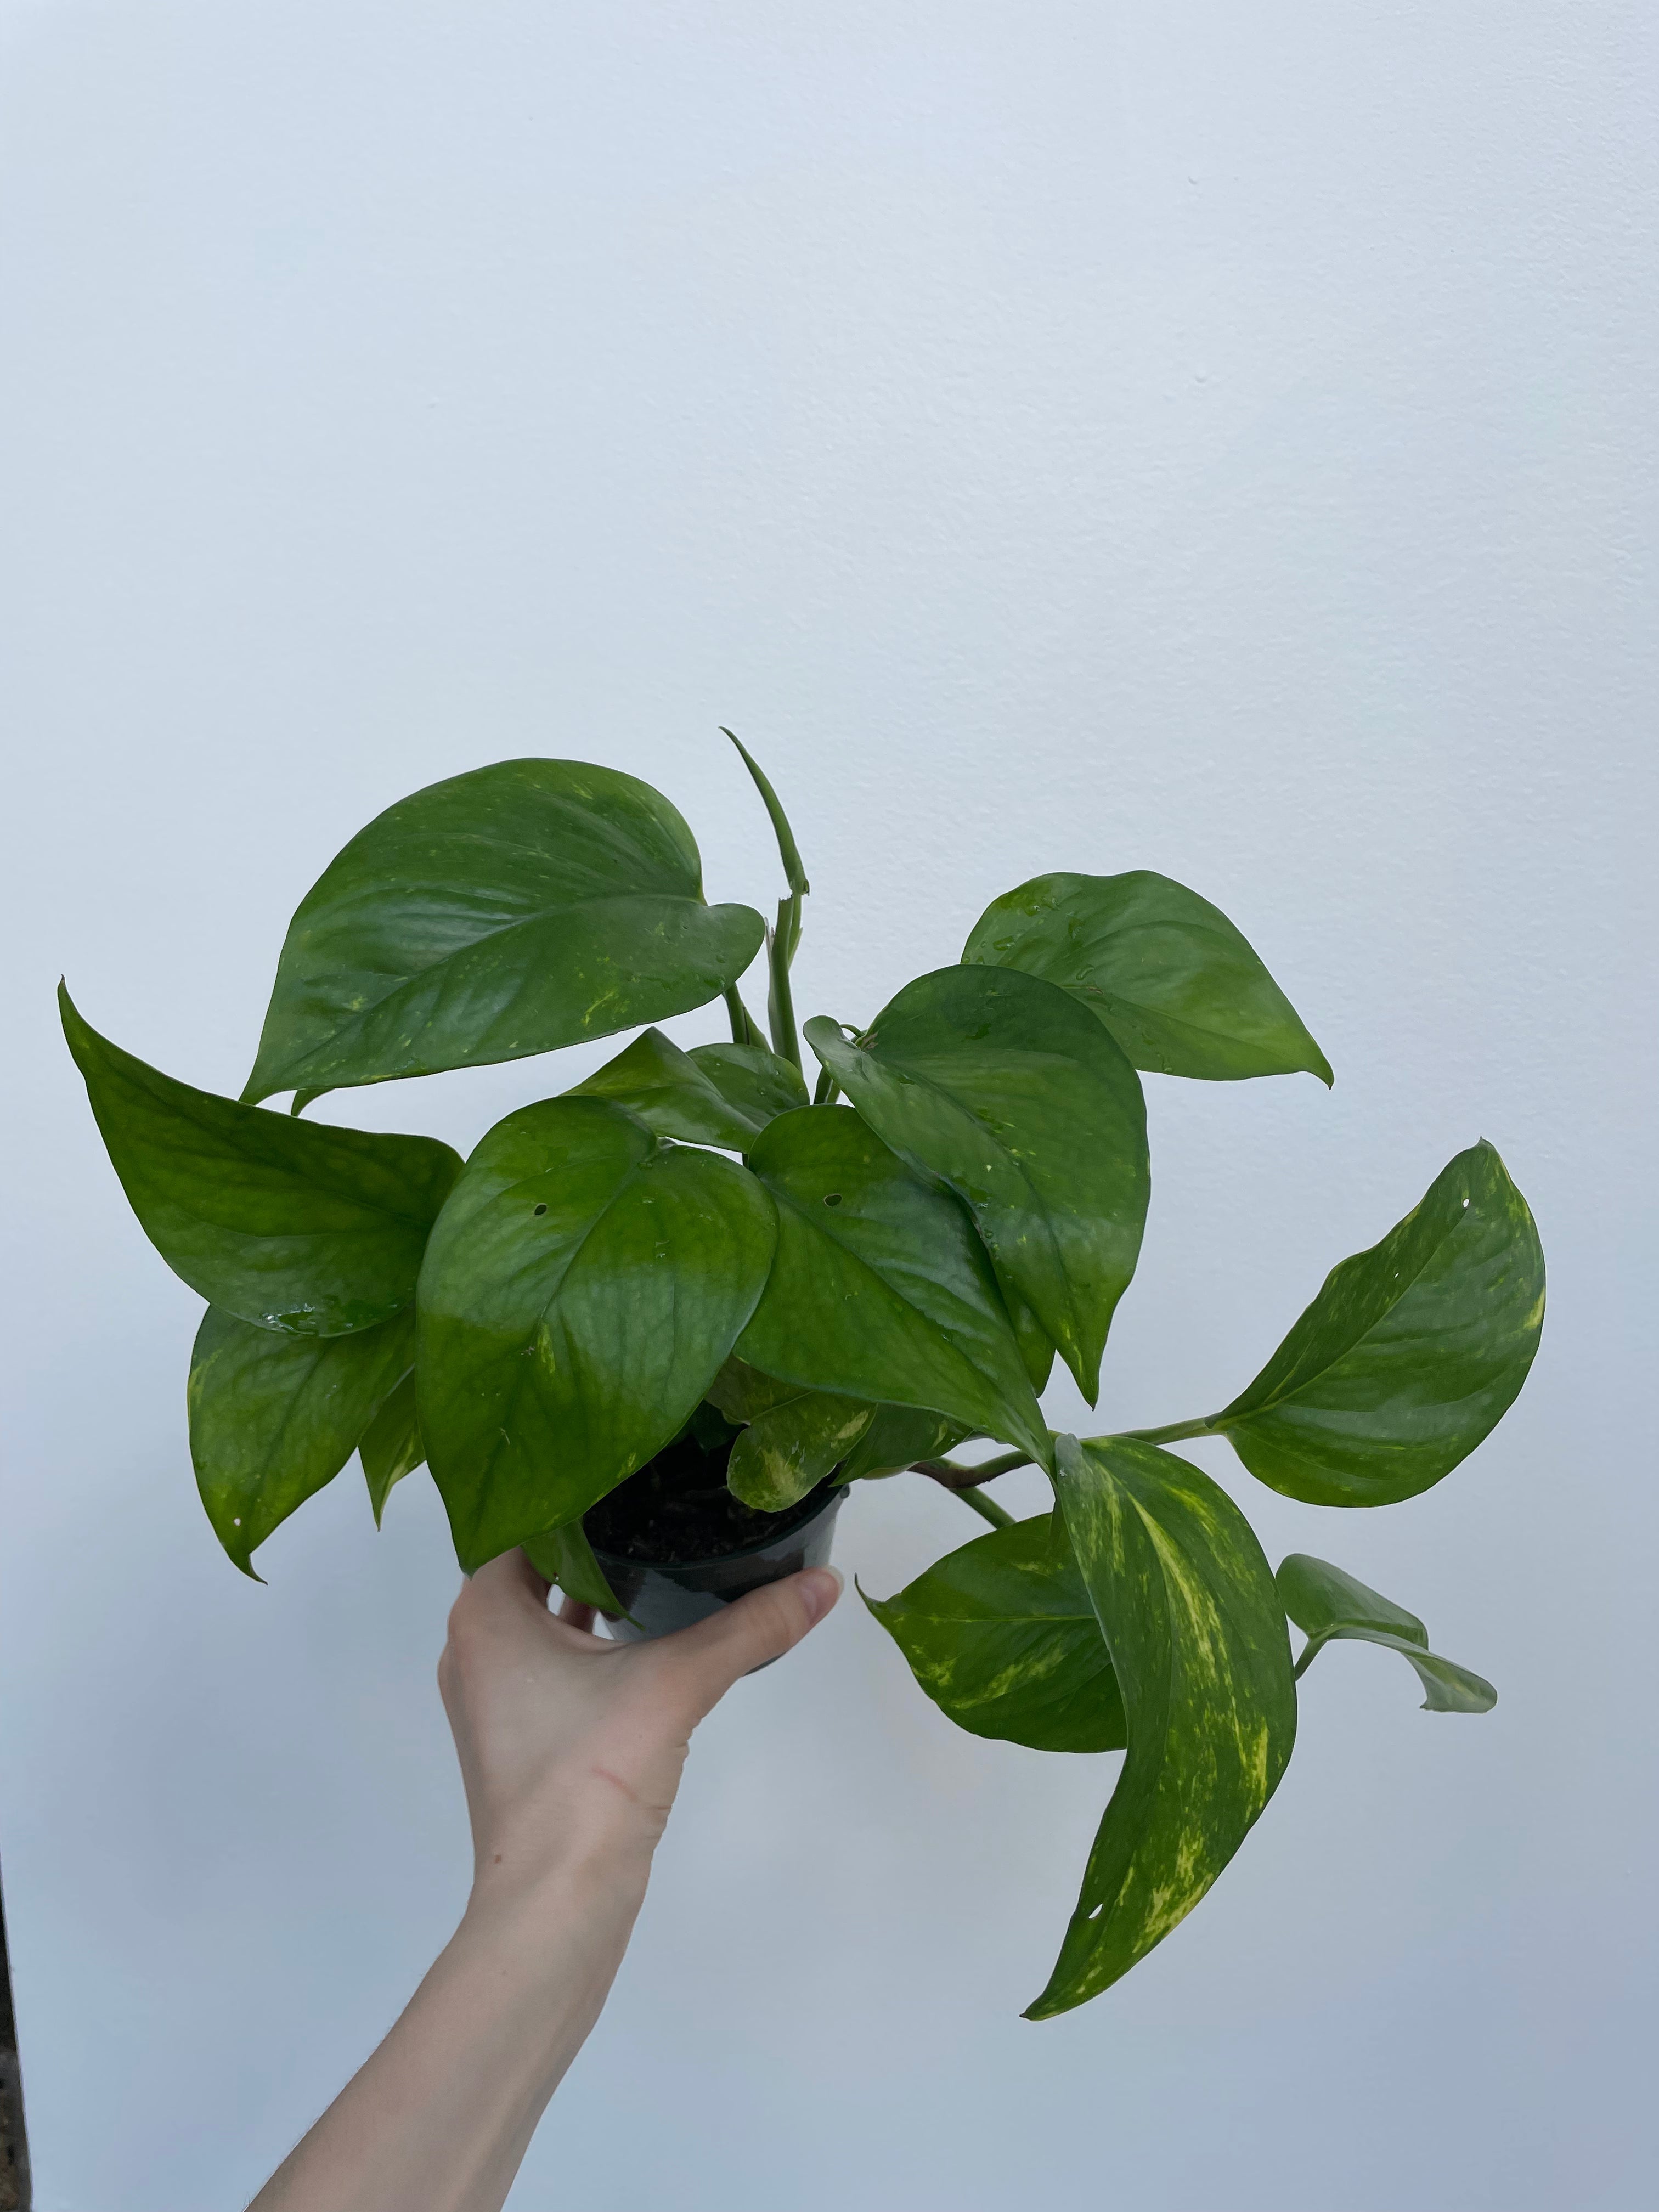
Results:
x,y
571,1748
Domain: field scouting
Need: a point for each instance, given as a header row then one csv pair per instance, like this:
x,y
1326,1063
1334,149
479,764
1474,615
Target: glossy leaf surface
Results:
x,y
564,1556
521,906
880,1290
391,1446
793,1437
1333,1606
753,1080
1410,1355
897,1436
671,1094
273,1417
1002,1637
1166,972
1196,1634
581,1289
1005,1090
293,1226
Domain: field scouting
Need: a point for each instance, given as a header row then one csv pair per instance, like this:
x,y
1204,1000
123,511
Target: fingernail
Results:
x,y
821,1587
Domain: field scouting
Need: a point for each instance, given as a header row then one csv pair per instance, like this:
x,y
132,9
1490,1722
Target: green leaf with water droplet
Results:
x,y
1166,972
1410,1355
753,1080
583,1286
290,1225
1001,1088
1194,1625
1333,1606
274,1418
1002,1637
518,907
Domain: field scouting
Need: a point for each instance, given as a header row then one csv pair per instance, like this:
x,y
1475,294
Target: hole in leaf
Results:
x,y
539,1209
832,1198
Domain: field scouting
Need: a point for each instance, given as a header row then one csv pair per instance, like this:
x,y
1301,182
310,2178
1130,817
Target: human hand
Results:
x,y
571,1746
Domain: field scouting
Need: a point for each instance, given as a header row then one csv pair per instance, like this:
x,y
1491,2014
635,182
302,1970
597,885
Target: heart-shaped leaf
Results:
x,y
1166,972
581,1289
1196,1635
792,1439
564,1556
312,1230
1332,1607
391,1447
668,1091
880,1288
897,1436
518,907
1410,1355
1002,1637
1003,1089
754,1082
274,1418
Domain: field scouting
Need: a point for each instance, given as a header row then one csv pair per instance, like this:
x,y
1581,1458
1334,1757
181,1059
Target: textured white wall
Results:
x,y
1211,439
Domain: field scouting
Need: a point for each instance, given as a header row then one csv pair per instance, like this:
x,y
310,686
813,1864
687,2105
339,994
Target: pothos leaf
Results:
x,y
755,1082
897,1436
582,1287
564,1556
1410,1353
274,1418
671,1093
1196,1634
1333,1606
1002,1088
1002,1637
391,1446
880,1290
518,907
1158,966
793,1436
312,1230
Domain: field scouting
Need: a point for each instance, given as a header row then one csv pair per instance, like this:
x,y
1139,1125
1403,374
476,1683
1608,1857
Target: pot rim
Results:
x,y
830,1504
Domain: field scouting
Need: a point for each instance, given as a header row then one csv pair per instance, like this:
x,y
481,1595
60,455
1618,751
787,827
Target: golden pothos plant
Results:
x,y
860,1281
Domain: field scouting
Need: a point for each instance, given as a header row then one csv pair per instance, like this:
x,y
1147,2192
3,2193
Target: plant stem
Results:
x,y
986,1508
1173,1434
1311,1651
780,944
952,1476
744,1028
828,1089
1005,1464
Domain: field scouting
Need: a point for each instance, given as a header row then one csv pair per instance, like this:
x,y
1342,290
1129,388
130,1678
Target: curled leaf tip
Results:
x,y
788,852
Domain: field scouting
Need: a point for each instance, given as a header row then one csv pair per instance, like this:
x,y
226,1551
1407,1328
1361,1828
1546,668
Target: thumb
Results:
x,y
710,1657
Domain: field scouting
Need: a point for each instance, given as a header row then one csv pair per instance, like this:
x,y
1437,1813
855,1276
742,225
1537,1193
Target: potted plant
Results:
x,y
657,1324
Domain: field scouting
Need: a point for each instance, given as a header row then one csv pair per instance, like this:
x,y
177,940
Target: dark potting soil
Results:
x,y
678,1508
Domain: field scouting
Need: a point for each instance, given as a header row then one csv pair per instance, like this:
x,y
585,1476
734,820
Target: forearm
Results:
x,y
440,2117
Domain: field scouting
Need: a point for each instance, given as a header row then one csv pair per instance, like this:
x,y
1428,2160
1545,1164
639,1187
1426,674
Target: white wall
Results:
x,y
1214,439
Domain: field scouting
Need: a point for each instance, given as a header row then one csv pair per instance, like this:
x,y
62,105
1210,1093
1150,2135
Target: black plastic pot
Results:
x,y
664,1594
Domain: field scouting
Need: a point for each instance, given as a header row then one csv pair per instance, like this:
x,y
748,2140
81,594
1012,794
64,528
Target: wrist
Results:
x,y
530,1898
